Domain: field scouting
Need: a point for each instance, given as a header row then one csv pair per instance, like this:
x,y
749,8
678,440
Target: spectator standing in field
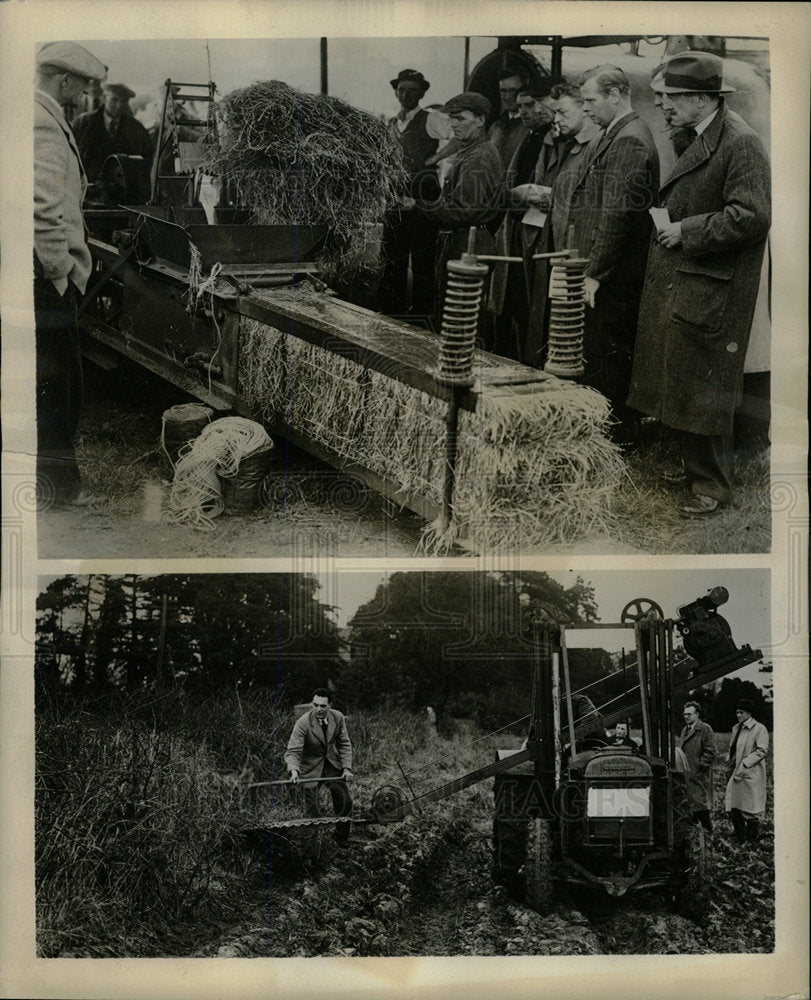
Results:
x,y
319,747
62,266
697,740
745,799
409,235
470,193
508,129
111,129
702,280
524,190
611,194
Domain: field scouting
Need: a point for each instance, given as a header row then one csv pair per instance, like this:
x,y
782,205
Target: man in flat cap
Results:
x,y
471,192
111,129
702,280
62,265
409,235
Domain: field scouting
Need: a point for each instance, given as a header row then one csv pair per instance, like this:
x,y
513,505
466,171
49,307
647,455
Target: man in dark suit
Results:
x,y
111,129
697,740
319,747
508,129
702,280
611,195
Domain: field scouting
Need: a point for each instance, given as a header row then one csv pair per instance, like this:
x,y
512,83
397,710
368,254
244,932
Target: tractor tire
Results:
x,y
539,891
692,895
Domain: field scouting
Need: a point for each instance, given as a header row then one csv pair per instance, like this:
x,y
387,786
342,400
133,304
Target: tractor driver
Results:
x,y
319,747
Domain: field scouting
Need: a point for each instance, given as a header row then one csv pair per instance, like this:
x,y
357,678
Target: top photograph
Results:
x,y
364,297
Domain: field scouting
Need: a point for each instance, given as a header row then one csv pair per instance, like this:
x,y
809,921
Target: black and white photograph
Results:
x,y
332,302
404,499
446,763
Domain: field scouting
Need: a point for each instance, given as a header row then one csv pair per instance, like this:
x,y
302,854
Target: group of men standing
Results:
x,y
669,304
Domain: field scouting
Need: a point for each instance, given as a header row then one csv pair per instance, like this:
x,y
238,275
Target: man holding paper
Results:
x,y
702,280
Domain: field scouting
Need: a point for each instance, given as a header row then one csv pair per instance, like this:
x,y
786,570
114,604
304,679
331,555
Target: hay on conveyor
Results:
x,y
298,158
534,465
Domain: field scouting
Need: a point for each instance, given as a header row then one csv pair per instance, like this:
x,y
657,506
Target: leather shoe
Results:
x,y
701,506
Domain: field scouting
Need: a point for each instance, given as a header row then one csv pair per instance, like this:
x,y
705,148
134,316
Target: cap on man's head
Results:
x,y
477,104
71,57
410,76
694,73
745,705
120,90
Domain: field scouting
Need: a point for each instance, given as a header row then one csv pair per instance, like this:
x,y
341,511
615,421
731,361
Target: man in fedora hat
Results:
x,y
702,280
62,265
409,236
745,798
111,129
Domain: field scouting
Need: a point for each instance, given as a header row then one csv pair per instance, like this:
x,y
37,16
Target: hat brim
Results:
x,y
425,84
664,89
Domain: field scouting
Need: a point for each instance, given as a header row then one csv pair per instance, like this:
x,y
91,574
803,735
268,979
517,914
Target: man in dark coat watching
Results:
x,y
610,196
702,280
471,191
508,129
697,740
319,747
111,129
408,234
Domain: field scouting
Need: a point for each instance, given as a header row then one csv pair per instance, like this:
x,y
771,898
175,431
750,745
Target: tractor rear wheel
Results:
x,y
692,897
539,891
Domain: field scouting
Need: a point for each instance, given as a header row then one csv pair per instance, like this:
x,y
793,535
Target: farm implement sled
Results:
x,y
569,808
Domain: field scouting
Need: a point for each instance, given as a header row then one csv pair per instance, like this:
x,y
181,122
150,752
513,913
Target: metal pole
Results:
x,y
466,70
324,78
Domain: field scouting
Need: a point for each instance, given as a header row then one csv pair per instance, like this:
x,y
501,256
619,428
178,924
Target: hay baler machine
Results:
x,y
569,807
235,314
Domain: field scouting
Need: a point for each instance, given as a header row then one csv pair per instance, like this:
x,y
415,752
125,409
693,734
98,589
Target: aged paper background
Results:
x,y
784,973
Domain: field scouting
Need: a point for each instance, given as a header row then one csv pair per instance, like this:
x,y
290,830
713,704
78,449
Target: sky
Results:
x,y
748,610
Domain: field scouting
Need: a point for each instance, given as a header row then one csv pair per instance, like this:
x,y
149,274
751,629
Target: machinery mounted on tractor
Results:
x,y
570,809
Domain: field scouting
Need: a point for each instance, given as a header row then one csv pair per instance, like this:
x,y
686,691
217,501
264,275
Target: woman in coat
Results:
x,y
702,281
745,799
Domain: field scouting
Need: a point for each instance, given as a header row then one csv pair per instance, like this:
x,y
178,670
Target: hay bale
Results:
x,y
298,158
534,467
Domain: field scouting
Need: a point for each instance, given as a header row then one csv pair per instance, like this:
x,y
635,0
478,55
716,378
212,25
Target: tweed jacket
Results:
x,y
699,300
746,788
699,749
506,134
96,144
307,752
60,241
611,194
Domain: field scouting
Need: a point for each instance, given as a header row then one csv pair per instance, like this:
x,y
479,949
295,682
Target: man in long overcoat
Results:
x,y
745,798
702,279
697,740
319,747
608,205
62,266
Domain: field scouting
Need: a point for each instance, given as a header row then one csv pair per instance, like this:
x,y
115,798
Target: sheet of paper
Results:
x,y
534,217
660,216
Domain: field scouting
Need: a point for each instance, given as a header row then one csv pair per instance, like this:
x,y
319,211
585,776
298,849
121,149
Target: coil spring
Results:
x,y
567,298
460,318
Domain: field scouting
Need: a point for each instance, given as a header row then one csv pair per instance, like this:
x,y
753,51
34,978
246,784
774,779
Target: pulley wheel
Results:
x,y
387,799
640,609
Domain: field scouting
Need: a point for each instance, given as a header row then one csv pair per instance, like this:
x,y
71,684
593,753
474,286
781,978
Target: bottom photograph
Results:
x,y
370,763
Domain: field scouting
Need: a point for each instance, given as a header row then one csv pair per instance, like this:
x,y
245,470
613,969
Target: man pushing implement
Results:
x,y
319,747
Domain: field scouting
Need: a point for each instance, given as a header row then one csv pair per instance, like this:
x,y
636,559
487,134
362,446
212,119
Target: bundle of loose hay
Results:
x,y
298,158
534,465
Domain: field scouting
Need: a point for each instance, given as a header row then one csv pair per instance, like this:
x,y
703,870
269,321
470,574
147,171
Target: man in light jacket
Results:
x,y
745,799
697,740
62,265
319,747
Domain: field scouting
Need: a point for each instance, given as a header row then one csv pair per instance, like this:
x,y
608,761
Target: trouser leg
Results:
x,y
738,824
708,462
423,252
59,388
753,830
396,248
703,817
